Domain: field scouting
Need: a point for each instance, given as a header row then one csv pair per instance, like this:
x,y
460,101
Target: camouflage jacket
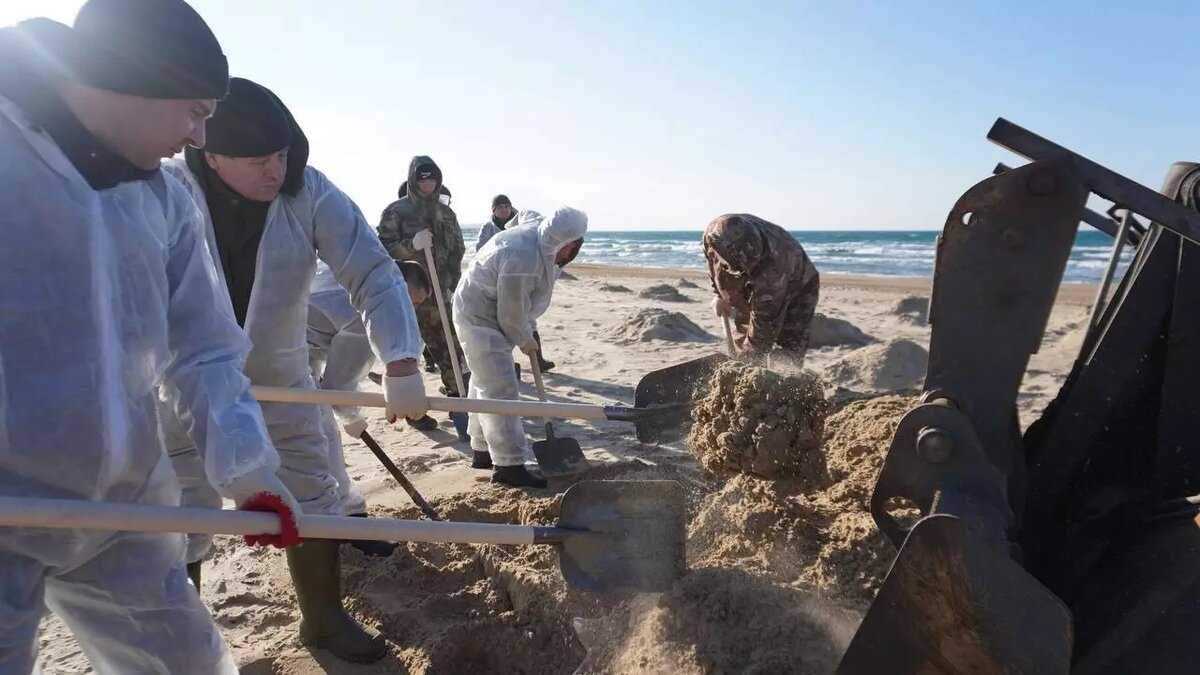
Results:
x,y
759,268
414,212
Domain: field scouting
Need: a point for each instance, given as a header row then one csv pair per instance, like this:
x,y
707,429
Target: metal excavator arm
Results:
x,y
1070,548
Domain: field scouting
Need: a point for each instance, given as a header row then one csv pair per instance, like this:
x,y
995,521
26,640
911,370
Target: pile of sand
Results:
x,y
459,608
726,621
912,309
753,421
564,275
684,283
614,288
656,324
896,365
828,331
779,575
781,572
818,533
664,293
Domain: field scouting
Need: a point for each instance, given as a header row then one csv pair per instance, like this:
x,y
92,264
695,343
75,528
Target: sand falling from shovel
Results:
x,y
757,422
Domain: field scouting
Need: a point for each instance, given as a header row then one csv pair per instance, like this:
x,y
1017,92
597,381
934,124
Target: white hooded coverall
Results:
x,y
320,220
105,295
340,355
507,286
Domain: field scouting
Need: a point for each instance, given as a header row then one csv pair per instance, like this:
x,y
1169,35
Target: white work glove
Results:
x,y
720,307
405,396
531,347
261,490
356,426
423,240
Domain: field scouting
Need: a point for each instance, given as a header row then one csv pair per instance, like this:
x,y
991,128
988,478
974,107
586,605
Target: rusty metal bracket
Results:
x,y
937,463
1104,182
1109,224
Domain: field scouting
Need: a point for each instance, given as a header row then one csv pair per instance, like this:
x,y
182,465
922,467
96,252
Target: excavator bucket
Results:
x,y
952,604
1045,550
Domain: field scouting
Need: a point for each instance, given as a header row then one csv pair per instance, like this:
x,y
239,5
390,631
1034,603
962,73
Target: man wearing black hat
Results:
x,y
106,294
269,217
417,221
502,212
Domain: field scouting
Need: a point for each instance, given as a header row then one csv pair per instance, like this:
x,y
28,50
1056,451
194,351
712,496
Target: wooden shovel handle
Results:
x,y
451,343
729,337
83,514
569,411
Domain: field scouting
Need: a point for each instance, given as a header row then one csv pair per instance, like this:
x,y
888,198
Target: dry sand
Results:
x,y
781,569
664,293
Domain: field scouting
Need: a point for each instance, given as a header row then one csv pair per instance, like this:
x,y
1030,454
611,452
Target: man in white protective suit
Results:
x,y
507,286
340,356
269,217
107,294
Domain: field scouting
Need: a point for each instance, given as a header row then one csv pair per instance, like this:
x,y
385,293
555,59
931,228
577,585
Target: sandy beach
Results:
x,y
780,573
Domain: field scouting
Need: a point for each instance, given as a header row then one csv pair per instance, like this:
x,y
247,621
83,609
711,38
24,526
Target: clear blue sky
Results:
x,y
664,114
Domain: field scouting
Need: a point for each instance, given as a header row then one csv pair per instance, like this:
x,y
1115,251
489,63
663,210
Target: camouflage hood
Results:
x,y
410,185
737,243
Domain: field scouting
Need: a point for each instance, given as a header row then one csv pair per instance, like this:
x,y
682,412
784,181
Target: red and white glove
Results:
x,y
261,490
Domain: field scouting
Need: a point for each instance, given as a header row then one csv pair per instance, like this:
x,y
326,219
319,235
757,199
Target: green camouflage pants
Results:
x,y
796,328
430,322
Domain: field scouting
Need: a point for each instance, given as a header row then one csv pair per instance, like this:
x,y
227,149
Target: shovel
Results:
x,y
650,424
459,419
611,535
673,388
729,337
398,475
556,456
670,391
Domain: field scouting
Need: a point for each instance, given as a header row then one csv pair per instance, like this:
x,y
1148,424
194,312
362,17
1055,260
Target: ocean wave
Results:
x,y
868,253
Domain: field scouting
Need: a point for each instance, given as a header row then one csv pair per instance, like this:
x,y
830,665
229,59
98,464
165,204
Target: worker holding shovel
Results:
x,y
762,276
340,355
506,288
268,217
106,293
410,227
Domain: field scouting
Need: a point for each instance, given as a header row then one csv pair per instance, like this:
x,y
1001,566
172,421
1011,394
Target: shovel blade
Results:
x,y
952,604
635,535
671,389
560,456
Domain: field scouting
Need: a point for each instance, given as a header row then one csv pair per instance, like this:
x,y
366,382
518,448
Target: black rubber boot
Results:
x,y
375,549
193,572
426,423
316,573
517,476
481,460
375,377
